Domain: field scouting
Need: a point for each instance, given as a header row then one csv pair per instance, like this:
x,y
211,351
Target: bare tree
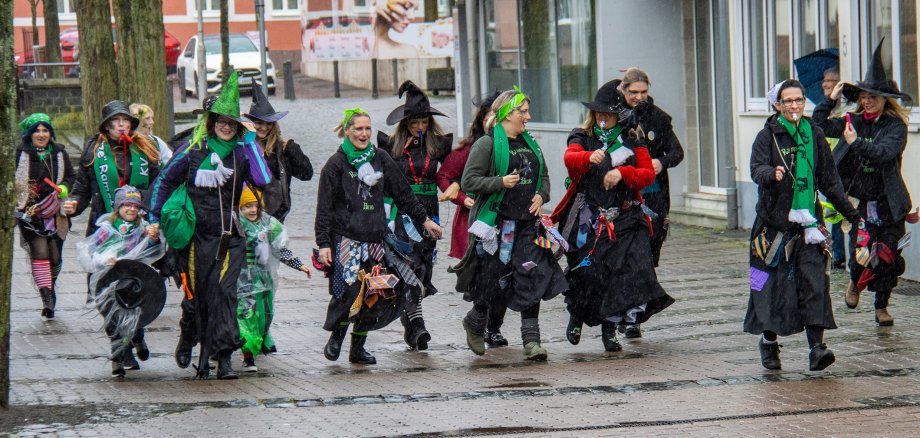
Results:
x,y
52,37
142,57
97,59
224,41
7,197
33,5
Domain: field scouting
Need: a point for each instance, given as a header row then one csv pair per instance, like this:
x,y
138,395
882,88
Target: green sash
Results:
x,y
107,172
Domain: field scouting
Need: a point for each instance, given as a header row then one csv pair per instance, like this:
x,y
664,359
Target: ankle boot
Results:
x,y
407,330
609,337
47,295
420,335
183,351
852,295
358,354
573,331
225,367
143,353
334,345
474,324
820,357
769,355
883,318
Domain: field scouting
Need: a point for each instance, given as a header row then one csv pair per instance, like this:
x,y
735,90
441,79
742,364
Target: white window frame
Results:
x,y
192,7
759,104
867,46
65,13
284,12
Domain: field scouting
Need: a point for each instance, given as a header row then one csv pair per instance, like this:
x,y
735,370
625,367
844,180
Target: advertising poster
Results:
x,y
365,29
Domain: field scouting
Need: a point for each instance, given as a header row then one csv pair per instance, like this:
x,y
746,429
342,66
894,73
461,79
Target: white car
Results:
x,y
244,57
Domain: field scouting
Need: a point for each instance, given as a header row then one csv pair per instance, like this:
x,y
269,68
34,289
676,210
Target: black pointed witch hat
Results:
x,y
876,81
416,105
261,109
608,99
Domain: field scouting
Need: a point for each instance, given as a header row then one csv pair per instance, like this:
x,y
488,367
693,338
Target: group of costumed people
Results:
x,y
210,215
791,162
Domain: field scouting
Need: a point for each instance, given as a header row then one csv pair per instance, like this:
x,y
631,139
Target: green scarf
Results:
x,y
212,172
803,188
107,174
219,146
610,137
484,227
358,158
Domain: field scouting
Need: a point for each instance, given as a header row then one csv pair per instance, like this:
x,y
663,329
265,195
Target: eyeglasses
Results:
x,y
790,102
225,122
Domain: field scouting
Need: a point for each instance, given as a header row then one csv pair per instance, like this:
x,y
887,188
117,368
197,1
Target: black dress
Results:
x,y
350,217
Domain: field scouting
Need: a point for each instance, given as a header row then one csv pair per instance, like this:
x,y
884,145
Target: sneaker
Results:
x,y
534,351
820,357
249,365
883,318
630,331
118,369
496,339
129,360
769,355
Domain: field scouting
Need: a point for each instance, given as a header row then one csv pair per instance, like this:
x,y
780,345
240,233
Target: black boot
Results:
x,y
48,301
769,355
419,334
820,357
407,330
609,337
143,353
334,345
357,353
183,351
225,368
495,339
573,331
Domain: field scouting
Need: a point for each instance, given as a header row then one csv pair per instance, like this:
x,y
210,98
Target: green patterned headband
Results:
x,y
27,123
349,113
515,102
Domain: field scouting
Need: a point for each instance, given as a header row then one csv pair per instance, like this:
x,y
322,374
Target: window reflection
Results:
x,y
783,26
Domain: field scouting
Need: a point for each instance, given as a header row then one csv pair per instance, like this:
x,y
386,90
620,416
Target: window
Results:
x,y
896,21
66,11
210,8
285,7
547,48
775,33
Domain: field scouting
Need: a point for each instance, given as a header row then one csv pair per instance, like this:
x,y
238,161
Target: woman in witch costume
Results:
x,y
664,148
43,178
449,176
868,157
611,270
284,157
417,146
354,241
509,257
210,170
790,162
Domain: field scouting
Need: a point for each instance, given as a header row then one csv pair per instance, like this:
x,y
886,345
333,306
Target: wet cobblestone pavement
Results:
x,y
694,372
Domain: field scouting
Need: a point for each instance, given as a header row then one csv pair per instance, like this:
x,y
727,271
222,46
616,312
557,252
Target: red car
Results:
x,y
70,40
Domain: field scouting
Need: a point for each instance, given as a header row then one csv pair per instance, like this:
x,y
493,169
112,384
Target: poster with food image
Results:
x,y
382,29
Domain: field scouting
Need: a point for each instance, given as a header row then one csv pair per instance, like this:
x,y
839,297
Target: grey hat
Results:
x,y
128,195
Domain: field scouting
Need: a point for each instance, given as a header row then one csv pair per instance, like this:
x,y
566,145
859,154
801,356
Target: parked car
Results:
x,y
70,38
244,57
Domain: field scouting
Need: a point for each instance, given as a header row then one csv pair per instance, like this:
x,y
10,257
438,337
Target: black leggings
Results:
x,y
43,247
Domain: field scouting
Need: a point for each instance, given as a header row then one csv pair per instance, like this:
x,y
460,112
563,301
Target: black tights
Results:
x,y
44,247
814,335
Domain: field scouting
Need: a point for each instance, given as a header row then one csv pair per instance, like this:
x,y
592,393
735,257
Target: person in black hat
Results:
x,y
44,176
418,145
868,158
122,235
118,156
449,176
185,135
611,269
285,159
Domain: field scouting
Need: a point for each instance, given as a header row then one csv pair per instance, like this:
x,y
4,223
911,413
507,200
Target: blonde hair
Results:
x,y
588,124
140,110
500,101
892,108
633,75
273,138
339,129
402,134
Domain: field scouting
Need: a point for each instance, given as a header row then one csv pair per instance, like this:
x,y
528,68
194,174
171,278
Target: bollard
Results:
x,y
170,105
289,80
395,77
374,90
335,78
731,199
181,74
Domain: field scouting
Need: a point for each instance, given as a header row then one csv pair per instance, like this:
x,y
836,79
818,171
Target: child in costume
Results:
x,y
120,235
266,245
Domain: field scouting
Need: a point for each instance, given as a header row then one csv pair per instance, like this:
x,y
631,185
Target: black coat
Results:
x,y
86,191
775,197
880,143
347,207
663,144
296,165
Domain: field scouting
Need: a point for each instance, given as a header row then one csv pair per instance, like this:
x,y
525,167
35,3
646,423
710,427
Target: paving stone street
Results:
x,y
694,372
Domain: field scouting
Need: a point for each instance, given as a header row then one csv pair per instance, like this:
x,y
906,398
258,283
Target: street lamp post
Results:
x,y
260,17
202,65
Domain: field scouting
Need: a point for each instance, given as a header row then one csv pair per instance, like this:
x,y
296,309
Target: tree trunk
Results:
x,y
8,145
33,4
142,58
224,41
52,38
431,11
97,60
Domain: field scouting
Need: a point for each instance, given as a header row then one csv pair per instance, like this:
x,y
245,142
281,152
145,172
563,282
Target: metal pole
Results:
x,y
202,65
374,91
335,78
289,80
263,45
170,105
395,77
181,77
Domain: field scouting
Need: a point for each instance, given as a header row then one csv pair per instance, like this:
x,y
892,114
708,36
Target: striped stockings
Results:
x,y
41,273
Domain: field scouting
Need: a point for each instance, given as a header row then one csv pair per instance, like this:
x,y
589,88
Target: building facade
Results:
x,y
710,62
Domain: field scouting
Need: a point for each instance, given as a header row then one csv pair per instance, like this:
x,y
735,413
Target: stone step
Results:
x,y
706,201
699,217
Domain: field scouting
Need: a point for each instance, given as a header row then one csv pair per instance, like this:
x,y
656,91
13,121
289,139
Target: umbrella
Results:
x,y
810,71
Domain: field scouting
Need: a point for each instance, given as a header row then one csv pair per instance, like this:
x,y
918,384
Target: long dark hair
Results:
x,y
476,129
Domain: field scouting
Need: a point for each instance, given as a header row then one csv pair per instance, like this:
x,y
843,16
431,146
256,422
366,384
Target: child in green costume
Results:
x,y
266,245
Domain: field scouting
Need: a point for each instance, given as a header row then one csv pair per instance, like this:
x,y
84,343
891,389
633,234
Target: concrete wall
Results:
x,y
51,96
358,73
